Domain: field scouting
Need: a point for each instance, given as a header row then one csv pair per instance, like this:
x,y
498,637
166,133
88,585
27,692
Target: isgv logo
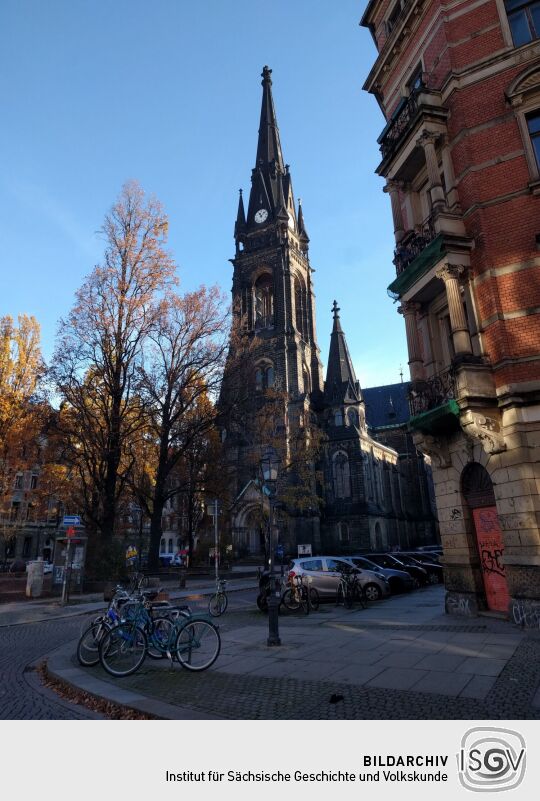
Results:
x,y
491,759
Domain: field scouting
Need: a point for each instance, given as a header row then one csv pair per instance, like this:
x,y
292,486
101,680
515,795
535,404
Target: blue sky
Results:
x,y
95,92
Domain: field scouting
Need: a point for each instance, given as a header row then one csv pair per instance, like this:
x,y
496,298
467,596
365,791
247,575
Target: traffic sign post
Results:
x,y
71,520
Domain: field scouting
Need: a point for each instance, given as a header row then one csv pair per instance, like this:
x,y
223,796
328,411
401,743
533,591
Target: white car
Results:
x,y
324,573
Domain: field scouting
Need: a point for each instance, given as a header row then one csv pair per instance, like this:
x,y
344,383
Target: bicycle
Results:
x,y
88,645
193,641
219,601
299,596
350,590
123,606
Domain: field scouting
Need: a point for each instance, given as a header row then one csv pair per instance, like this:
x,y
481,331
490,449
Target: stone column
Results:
x,y
449,176
450,273
416,364
427,141
392,188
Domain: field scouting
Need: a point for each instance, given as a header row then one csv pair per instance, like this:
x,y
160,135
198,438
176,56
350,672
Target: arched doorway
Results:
x,y
477,489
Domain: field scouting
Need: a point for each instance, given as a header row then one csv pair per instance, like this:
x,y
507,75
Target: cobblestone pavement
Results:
x,y
21,695
256,697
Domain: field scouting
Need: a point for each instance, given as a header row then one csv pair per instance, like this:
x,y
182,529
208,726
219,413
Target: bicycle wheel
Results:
x,y
122,649
88,645
262,602
217,604
314,598
197,645
359,596
290,600
160,638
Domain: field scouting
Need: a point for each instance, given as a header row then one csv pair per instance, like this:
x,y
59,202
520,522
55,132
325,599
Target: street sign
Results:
x,y
71,520
304,550
280,552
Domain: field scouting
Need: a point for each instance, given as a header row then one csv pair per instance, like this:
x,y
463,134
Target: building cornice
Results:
x,y
405,25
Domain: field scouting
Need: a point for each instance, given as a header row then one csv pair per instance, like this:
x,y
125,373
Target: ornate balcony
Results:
x,y
398,125
438,390
413,244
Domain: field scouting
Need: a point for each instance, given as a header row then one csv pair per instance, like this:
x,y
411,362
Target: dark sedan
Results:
x,y
392,561
434,569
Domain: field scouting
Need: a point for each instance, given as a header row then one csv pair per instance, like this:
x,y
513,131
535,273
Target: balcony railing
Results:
x,y
397,127
413,244
433,392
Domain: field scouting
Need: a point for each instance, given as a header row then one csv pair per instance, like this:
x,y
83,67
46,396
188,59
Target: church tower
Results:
x,y
272,294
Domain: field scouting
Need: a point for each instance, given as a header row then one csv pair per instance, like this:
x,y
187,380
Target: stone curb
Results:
x,y
61,668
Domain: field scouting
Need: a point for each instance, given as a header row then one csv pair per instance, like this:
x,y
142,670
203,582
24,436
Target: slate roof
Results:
x,y
387,405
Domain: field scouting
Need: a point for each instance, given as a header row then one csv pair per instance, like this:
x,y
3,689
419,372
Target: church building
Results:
x,y
340,489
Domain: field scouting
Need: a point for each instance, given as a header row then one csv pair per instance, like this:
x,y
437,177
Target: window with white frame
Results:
x,y
524,19
533,126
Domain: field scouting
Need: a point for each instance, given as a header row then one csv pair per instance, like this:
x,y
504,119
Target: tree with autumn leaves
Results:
x,y
136,367
23,412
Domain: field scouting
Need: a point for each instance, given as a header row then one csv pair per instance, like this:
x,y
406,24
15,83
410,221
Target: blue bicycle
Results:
x,y
194,641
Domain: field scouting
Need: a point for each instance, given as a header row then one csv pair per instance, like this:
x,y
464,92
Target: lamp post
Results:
x,y
270,462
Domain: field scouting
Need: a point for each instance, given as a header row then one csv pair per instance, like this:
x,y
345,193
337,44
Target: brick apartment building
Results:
x,y
459,85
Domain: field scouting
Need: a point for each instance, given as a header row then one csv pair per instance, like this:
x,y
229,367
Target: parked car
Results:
x,y
431,557
390,560
399,580
324,573
434,569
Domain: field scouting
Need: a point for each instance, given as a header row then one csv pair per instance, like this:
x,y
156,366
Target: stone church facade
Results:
x,y
351,485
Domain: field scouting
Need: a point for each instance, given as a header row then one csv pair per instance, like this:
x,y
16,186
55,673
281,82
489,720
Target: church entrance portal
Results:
x,y
477,489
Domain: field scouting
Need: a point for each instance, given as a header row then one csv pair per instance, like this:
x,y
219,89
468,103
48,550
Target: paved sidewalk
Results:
x,y
19,612
401,658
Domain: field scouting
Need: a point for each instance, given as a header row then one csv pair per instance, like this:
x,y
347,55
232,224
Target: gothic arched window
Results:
x,y
352,417
306,380
341,475
300,306
344,536
264,376
338,418
264,301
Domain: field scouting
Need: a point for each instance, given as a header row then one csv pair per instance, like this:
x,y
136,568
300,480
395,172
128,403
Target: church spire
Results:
x,y
268,146
341,385
301,225
270,180
240,223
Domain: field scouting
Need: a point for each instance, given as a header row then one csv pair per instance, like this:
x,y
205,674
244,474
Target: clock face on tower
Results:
x,y
261,215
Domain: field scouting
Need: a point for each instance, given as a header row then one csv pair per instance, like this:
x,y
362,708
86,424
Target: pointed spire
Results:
x,y
240,223
281,209
268,146
301,225
270,183
341,385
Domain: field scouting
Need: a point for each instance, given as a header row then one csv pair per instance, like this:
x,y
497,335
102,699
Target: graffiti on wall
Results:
x,y
525,613
458,604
